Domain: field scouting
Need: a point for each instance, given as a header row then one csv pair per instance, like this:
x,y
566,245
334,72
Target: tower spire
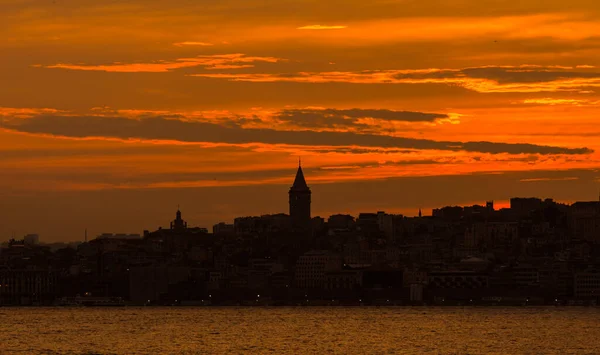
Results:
x,y
299,181
299,200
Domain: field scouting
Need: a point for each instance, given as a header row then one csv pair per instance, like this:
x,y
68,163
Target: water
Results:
x,y
302,330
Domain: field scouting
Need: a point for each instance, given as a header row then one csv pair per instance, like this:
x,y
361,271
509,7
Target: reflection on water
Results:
x,y
305,330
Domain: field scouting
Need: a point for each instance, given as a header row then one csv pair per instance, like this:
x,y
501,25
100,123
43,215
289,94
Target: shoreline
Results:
x,y
307,306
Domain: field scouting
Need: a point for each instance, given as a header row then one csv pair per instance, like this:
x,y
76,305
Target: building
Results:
x,y
313,266
341,222
119,236
178,223
31,239
27,287
368,224
586,220
524,206
344,279
491,234
526,276
299,200
275,223
449,212
458,279
414,277
178,238
260,225
388,224
587,284
250,225
223,229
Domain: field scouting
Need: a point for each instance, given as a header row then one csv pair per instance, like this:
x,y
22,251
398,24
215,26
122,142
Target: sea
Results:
x,y
300,330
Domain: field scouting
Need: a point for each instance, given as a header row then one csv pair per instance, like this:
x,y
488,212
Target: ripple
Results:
x,y
300,330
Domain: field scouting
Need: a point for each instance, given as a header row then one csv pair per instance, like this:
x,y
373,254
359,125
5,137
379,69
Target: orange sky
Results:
x,y
112,113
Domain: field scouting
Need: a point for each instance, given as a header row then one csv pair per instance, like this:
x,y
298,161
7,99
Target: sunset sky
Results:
x,y
113,113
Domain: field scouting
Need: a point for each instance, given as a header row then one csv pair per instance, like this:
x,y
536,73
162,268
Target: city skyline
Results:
x,y
298,212
130,108
535,252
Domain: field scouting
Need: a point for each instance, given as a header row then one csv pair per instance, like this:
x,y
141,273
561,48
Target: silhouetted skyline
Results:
x,y
534,251
351,204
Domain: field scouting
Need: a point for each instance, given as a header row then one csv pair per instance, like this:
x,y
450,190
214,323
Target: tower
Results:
x,y
178,223
299,196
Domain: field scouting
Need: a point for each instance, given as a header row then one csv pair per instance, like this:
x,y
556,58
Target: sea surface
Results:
x,y
300,330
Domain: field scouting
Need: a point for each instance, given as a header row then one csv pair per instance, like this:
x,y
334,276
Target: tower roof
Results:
x,y
299,181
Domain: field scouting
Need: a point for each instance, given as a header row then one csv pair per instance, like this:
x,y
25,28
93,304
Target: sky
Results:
x,y
114,113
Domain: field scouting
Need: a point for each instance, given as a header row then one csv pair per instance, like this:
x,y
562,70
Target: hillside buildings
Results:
x,y
535,252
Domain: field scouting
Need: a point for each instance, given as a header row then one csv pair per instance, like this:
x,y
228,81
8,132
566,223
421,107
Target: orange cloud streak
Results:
x,y
451,77
321,27
192,43
221,61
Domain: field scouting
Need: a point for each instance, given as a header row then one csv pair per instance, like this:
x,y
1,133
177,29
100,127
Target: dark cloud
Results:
x,y
503,75
315,119
377,164
509,75
526,78
347,150
389,115
159,128
335,118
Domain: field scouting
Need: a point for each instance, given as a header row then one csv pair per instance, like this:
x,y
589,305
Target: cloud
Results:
x,y
169,129
356,113
365,150
321,27
230,66
312,118
191,43
218,61
27,112
549,179
382,164
553,102
486,79
362,119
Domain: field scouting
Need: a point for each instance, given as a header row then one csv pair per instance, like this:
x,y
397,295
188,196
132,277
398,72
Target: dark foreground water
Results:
x,y
304,330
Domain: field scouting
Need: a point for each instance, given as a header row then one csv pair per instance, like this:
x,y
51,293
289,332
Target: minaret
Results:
x,y
299,197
